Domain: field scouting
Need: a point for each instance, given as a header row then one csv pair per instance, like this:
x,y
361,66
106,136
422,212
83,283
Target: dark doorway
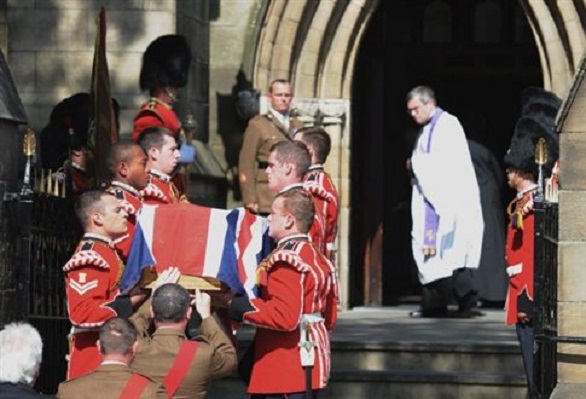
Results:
x,y
478,55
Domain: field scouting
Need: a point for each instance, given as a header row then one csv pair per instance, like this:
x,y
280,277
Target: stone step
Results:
x,y
502,357
401,384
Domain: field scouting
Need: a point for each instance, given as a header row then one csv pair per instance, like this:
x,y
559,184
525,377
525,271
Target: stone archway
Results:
x,y
314,44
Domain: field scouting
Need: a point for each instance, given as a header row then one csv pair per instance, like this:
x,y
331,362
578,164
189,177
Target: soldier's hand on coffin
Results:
x,y
203,304
170,275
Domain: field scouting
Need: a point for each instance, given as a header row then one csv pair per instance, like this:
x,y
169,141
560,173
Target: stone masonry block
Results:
x,y
571,271
46,30
572,208
132,31
574,122
227,46
71,70
22,68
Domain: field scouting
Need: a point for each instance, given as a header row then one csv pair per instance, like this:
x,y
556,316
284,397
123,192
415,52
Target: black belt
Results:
x,y
262,165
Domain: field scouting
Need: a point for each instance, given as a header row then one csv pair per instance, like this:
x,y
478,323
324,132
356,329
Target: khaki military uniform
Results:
x,y
262,133
106,382
215,357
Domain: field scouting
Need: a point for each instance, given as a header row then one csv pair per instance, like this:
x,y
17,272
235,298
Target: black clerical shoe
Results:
x,y
432,314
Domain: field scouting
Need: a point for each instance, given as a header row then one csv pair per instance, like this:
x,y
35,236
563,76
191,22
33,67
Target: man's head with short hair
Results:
x,y
100,212
288,162
292,212
421,104
171,304
161,149
318,143
280,95
117,337
127,163
21,350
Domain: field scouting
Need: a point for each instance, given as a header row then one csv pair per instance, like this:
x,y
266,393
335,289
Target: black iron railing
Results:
x,y
49,233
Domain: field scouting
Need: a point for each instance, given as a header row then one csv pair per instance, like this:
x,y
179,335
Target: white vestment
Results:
x,y
445,177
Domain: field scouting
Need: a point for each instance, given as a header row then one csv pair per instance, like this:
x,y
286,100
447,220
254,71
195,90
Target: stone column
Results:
x,y
332,114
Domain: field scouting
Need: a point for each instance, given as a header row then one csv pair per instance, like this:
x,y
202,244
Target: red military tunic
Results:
x,y
92,276
155,113
131,200
299,282
519,252
325,196
161,190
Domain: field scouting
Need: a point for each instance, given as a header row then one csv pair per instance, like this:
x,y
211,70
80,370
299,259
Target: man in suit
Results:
x,y
185,368
262,133
21,350
113,378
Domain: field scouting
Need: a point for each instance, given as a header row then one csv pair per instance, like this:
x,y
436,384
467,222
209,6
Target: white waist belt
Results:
x,y
312,318
515,269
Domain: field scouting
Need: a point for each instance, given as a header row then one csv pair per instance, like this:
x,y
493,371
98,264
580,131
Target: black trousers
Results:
x,y
437,295
526,342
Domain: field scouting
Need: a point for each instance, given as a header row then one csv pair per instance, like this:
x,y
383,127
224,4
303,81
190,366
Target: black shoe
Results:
x,y
432,314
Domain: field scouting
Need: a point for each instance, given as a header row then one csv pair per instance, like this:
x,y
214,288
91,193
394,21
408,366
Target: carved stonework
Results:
x,y
321,111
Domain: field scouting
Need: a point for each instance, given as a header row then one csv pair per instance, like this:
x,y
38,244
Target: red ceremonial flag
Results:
x,y
103,132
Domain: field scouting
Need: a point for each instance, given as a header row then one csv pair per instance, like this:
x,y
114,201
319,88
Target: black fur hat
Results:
x,y
537,100
165,62
521,154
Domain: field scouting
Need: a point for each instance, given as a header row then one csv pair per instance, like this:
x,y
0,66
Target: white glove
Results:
x,y
203,304
170,275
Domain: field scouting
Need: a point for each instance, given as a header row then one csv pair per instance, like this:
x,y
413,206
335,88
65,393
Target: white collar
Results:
x,y
114,362
126,187
316,166
282,118
292,237
99,237
291,187
521,193
163,176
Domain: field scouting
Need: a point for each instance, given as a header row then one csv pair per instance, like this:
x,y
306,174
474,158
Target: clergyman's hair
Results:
x,y
319,141
21,350
280,80
121,151
170,303
88,203
153,137
425,94
299,203
117,336
295,153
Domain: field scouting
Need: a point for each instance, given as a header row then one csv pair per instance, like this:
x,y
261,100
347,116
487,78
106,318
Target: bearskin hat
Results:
x,y
535,100
537,121
165,62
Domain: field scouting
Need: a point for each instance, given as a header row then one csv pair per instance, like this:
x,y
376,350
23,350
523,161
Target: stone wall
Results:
x,y
51,44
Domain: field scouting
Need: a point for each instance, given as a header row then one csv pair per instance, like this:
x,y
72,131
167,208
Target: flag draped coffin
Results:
x,y
207,242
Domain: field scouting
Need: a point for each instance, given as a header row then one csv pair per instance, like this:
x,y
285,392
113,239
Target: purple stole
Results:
x,y
431,217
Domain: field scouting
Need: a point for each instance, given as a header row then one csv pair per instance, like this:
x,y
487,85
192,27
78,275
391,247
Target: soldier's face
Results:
x,y
113,217
280,97
278,220
277,173
420,112
167,156
137,172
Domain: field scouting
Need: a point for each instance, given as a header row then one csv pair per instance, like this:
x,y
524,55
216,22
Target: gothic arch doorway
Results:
x,y
478,66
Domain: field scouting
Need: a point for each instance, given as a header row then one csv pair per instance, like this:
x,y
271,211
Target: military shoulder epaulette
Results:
x,y
85,258
319,191
289,257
